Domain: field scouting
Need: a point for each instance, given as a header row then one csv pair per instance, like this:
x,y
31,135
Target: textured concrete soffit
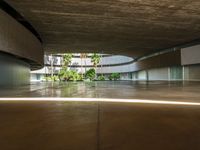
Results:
x,y
128,27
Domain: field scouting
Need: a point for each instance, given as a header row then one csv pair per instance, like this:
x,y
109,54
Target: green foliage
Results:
x,y
65,74
46,79
114,76
62,72
95,59
80,77
51,78
69,75
54,78
67,58
101,78
90,74
74,76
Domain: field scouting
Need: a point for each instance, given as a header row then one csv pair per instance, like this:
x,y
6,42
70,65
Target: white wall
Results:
x,y
158,74
109,60
190,55
142,75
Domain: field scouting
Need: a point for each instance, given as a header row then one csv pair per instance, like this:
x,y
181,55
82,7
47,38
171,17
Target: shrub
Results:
x,y
54,78
64,75
101,78
90,74
49,78
95,59
68,75
114,76
80,77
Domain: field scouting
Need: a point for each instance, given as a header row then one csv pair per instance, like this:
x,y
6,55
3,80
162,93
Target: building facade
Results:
x,y
175,64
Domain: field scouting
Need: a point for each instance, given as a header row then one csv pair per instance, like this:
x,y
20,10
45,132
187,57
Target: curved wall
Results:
x,y
108,64
15,39
20,52
115,63
160,61
13,71
110,60
160,66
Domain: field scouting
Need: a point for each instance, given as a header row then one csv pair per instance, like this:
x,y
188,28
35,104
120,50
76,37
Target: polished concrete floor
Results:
x,y
57,125
155,90
98,126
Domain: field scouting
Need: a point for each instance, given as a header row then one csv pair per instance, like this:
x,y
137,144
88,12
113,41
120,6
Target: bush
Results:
x,y
69,75
54,78
114,76
80,77
74,76
51,78
90,74
64,75
101,78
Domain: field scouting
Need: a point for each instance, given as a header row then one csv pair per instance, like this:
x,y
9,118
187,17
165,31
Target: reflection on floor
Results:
x,y
58,125
98,126
157,90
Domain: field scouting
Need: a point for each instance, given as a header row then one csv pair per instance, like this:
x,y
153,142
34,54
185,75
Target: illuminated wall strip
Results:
x,y
139,101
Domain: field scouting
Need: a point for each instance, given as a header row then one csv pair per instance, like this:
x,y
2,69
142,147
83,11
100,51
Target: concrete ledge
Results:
x,y
15,39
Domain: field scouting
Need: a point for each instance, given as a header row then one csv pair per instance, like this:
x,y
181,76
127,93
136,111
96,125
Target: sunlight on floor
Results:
x,y
140,101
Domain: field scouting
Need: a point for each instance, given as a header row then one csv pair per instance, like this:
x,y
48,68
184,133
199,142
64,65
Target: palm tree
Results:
x,y
67,59
52,68
85,59
83,56
95,59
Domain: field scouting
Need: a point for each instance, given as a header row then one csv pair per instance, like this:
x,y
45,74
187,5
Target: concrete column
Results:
x,y
13,71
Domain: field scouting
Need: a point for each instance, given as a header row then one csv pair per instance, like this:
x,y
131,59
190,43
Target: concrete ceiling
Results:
x,y
129,27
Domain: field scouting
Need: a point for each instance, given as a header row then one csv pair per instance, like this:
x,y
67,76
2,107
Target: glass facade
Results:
x,y
176,73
